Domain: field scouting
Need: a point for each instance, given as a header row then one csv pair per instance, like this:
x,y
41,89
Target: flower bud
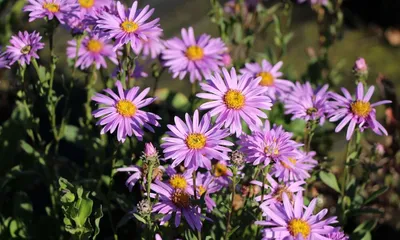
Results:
x,y
379,149
360,69
150,151
227,60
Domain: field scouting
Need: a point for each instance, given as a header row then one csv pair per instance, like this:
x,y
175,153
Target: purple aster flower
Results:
x,y
182,181
93,50
122,111
24,46
195,142
315,2
151,47
4,63
275,196
293,220
176,201
198,57
337,234
128,25
270,78
235,98
206,184
222,173
357,112
61,9
137,173
295,168
89,6
308,104
268,144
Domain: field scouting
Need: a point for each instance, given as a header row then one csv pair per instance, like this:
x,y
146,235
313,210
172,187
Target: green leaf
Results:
x,y
71,133
97,216
330,180
376,194
139,218
366,226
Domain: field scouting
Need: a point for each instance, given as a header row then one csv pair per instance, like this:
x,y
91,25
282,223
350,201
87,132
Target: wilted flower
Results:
x,y
294,168
294,221
270,78
275,196
235,98
128,25
195,142
268,144
237,158
177,202
358,112
198,57
308,104
24,47
93,50
122,111
61,9
144,207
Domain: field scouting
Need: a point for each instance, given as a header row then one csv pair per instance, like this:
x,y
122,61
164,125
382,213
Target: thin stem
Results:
x,y
78,46
195,197
157,77
233,193
108,199
149,180
308,134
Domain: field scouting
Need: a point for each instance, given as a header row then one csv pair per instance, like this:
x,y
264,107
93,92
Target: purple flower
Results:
x,y
122,111
227,60
337,234
182,181
138,173
128,25
308,104
294,168
61,9
24,46
235,98
89,6
315,2
149,150
268,144
93,50
293,220
151,47
360,65
358,111
198,57
206,184
4,62
222,173
270,78
178,202
275,196
195,142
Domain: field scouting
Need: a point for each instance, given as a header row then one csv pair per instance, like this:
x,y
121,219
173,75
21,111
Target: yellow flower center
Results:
x,y
129,26
126,108
196,141
310,111
52,7
361,108
266,79
234,99
271,150
194,53
177,181
26,49
299,226
86,3
181,198
202,190
220,170
279,191
292,160
94,46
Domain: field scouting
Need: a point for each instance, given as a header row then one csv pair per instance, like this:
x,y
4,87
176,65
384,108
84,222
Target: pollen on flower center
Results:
x,y
266,79
177,181
220,170
94,46
292,160
52,7
86,3
194,53
311,110
361,108
202,190
180,198
196,141
271,150
280,190
126,108
234,99
129,26
26,49
299,226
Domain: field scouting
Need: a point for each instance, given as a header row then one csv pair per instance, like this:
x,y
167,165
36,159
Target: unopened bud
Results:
x,y
360,69
379,149
227,60
150,151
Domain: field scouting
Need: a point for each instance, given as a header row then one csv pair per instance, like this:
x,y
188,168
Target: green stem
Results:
x,y
233,193
308,134
78,46
157,78
108,199
195,197
149,180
